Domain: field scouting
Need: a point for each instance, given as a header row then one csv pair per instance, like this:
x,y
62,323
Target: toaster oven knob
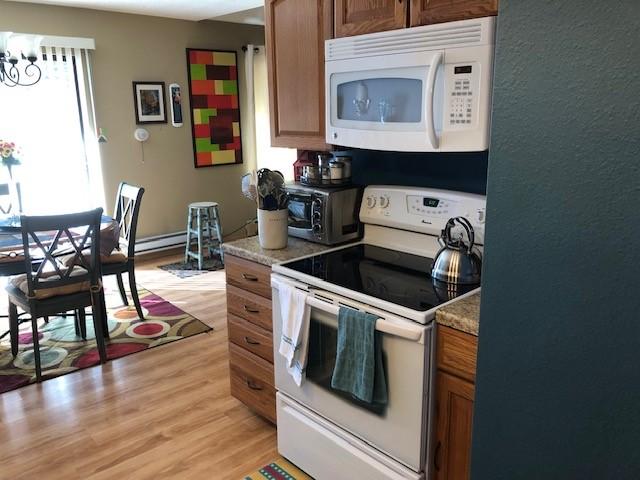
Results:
x,y
316,217
371,201
317,229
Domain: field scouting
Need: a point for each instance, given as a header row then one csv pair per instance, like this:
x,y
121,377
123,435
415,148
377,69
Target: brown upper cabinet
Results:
x,y
354,17
295,34
425,12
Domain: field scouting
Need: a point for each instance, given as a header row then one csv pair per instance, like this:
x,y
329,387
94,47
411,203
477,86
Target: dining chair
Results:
x,y
55,288
122,259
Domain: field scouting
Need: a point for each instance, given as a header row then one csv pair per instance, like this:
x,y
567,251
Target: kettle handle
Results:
x,y
467,227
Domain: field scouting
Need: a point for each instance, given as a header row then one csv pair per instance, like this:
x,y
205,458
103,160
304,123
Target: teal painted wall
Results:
x,y
558,385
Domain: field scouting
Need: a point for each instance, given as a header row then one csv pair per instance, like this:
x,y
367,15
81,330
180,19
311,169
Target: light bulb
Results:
x,y
4,40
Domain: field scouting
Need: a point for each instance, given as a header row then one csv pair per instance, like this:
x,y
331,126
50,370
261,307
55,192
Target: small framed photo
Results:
x,y
149,102
175,94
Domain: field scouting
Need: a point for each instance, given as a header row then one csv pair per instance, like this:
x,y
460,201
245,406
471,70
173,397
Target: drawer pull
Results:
x,y
249,309
252,385
251,342
250,278
436,457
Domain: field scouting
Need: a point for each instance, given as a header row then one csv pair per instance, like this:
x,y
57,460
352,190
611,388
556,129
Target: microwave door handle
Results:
x,y
431,87
413,334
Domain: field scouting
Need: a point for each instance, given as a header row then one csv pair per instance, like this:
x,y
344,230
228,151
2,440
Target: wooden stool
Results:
x,y
207,232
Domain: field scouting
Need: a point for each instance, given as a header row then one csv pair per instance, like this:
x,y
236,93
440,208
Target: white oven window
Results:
x,y
321,360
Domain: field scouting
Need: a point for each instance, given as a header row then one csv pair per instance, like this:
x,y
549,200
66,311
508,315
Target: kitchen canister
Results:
x,y
273,228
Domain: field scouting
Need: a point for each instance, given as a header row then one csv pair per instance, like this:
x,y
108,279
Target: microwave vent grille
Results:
x,y
466,33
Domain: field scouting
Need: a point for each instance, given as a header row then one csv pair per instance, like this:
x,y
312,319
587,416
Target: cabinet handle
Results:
x,y
436,457
251,342
250,278
248,309
252,385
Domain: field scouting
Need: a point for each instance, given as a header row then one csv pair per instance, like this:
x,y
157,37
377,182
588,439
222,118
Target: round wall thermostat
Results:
x,y
141,135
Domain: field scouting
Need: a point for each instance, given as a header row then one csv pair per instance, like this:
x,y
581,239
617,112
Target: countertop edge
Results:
x,y
463,315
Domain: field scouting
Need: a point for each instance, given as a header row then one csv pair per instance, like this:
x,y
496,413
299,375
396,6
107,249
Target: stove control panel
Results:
x,y
422,210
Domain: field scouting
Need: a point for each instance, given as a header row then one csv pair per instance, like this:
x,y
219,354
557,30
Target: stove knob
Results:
x,y
371,201
384,202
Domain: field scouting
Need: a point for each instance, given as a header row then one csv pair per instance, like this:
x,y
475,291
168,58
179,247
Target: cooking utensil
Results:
x,y
270,188
458,261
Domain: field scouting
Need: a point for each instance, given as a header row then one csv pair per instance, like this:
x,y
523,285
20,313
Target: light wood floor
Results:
x,y
161,413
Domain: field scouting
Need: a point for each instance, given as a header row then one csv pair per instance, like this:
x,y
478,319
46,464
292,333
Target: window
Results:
x,y
49,121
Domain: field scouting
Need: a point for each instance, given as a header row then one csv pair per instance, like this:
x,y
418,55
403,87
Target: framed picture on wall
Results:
x,y
214,107
148,98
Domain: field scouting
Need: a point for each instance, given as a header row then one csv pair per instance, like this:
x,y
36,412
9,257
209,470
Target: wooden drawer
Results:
x,y
456,352
250,337
249,306
248,275
252,381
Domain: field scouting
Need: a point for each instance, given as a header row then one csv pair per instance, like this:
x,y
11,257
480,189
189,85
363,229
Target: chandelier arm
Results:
x,y
11,77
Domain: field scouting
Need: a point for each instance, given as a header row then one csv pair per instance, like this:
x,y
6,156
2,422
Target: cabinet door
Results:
x,y
424,12
355,17
295,34
454,416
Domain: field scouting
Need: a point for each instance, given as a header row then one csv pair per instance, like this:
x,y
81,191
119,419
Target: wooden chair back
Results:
x,y
126,213
49,240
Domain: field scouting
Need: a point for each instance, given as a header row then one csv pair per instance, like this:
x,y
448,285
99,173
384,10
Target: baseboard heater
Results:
x,y
161,242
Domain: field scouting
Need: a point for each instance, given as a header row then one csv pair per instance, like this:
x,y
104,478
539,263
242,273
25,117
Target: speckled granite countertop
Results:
x,y
249,248
463,315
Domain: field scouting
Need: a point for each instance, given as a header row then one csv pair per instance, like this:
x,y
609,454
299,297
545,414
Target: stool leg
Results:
x,y
210,241
189,222
199,226
218,227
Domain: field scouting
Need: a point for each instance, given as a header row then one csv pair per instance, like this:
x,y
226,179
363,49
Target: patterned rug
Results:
x,y
62,352
279,469
190,269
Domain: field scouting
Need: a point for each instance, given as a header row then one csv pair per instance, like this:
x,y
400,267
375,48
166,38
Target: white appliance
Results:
x,y
422,89
325,432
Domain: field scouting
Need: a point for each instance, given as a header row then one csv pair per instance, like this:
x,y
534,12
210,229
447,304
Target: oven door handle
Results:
x,y
415,334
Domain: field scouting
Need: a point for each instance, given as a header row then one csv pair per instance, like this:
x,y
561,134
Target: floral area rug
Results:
x,y
62,352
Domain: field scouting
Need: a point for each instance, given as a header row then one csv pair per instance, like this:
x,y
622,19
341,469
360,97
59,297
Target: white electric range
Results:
x,y
326,432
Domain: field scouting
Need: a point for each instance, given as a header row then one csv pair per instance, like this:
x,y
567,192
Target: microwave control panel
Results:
x,y
462,85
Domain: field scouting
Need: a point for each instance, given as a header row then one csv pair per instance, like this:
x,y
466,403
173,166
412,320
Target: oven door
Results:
x,y
399,429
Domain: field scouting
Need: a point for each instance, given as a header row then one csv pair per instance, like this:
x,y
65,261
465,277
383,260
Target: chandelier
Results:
x,y
18,56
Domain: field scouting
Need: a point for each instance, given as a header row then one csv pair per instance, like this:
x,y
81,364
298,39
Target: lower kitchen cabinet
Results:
x,y
250,335
455,388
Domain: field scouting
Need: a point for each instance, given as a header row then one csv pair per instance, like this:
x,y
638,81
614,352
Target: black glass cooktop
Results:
x,y
389,275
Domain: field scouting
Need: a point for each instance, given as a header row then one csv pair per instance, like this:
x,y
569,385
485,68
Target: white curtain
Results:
x,y
52,122
273,158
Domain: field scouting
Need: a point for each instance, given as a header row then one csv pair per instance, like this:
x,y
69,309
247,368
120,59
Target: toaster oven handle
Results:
x,y
431,87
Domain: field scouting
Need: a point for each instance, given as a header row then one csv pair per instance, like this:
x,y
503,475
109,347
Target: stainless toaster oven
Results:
x,y
324,215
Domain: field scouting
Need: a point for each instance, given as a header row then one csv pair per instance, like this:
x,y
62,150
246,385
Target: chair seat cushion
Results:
x,y
114,257
20,282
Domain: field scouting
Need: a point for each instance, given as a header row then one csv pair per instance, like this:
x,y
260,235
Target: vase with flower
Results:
x,y
9,157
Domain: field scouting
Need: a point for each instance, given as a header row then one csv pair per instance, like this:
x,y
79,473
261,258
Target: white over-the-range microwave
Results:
x,y
421,89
